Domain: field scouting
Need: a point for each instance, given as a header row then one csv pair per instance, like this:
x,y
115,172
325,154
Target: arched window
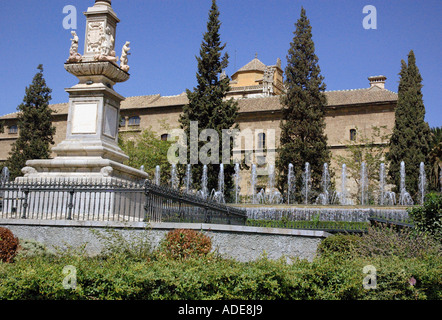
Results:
x,y
352,134
164,136
261,140
13,129
134,121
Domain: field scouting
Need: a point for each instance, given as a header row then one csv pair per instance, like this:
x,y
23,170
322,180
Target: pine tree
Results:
x,y
304,106
35,126
206,104
411,134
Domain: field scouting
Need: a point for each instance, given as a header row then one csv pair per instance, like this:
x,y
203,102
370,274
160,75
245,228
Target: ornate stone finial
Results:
x,y
107,1
123,59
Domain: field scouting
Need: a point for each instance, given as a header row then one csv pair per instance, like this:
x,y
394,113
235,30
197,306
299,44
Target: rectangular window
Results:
x,y
13,129
352,134
262,141
134,121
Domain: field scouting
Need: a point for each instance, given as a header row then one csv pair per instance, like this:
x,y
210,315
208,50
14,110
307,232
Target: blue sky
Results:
x,y
166,35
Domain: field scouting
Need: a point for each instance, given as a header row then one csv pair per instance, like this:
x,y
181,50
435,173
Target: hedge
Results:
x,y
211,277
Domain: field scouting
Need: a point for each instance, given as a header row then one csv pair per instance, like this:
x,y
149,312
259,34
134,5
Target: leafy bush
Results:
x,y
185,243
336,274
339,243
8,245
30,248
383,240
214,278
114,243
428,218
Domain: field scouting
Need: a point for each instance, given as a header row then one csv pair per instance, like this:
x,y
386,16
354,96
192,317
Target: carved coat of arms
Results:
x,y
95,36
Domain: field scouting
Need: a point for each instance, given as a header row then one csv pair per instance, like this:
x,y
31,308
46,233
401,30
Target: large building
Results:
x,y
257,88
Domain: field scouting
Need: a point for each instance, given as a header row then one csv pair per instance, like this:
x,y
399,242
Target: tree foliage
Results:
x,y
148,150
206,101
411,134
428,217
304,105
435,159
35,126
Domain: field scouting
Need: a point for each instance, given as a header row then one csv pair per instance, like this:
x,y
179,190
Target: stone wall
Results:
x,y
238,242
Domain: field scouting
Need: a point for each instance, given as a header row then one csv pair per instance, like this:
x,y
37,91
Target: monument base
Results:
x,y
77,168
79,188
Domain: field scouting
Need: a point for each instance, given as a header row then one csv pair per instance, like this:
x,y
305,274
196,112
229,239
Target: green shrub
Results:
x,y
328,277
185,243
428,218
8,245
339,243
383,240
30,248
337,273
114,243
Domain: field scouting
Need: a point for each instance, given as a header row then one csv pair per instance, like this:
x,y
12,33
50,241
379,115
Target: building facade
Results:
x,y
257,88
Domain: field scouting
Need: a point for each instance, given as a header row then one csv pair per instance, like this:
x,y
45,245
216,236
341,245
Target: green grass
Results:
x,y
320,225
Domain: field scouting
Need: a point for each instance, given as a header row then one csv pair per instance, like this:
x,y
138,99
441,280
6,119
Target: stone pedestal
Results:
x,y
90,149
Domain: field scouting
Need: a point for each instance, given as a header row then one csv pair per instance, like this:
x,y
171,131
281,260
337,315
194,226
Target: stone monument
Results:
x,y
91,149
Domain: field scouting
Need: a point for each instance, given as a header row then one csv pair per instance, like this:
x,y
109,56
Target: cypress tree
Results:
x,y
206,101
35,126
303,111
411,134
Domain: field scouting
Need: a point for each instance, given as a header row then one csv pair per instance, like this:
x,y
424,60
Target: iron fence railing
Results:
x,y
110,201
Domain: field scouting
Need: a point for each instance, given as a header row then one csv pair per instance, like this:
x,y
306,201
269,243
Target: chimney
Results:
x,y
377,81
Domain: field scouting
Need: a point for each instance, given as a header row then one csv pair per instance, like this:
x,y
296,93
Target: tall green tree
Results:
x,y
206,102
35,126
303,111
411,134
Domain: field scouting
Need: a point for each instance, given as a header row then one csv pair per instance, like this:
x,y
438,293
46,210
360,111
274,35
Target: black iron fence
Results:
x,y
110,201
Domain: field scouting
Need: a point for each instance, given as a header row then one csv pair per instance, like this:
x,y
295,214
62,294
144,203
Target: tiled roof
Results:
x,y
253,65
139,101
167,101
359,96
334,98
